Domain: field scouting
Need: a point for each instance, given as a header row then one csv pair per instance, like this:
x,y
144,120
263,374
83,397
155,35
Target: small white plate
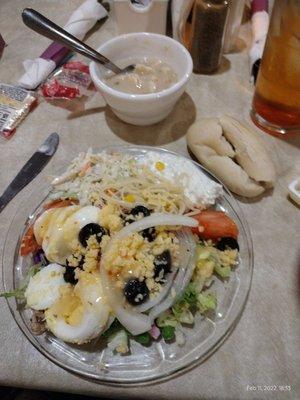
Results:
x,y
294,190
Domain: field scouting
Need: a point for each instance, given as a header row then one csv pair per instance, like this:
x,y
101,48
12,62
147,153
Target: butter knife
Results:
x,y
31,169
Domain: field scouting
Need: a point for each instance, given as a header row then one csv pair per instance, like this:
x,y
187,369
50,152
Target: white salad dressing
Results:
x,y
200,189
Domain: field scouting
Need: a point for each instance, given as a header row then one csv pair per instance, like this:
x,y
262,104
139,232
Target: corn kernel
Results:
x,y
130,198
160,166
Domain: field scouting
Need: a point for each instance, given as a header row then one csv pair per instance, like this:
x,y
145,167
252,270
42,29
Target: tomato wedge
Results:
x,y
60,203
28,243
215,225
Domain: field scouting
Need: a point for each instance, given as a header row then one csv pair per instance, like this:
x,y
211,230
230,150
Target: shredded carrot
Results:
x,y
110,191
60,203
85,169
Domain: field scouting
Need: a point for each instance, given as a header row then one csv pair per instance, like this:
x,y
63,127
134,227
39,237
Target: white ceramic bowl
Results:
x,y
143,109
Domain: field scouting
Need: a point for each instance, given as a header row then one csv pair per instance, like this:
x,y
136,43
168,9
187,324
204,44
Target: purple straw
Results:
x,y
55,52
259,5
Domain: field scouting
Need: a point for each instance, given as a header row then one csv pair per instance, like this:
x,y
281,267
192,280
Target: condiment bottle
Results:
x,y
207,34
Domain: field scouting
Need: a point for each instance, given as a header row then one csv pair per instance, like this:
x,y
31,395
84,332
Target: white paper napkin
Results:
x,y
260,25
80,22
84,18
36,72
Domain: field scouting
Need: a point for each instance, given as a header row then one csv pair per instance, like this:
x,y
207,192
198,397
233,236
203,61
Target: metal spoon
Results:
x,y
49,29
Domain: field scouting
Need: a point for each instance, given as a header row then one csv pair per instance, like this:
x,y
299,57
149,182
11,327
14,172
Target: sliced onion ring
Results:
x,y
133,321
187,247
136,322
183,277
161,295
155,219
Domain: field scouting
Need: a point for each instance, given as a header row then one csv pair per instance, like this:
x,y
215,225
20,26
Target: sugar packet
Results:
x,y
15,104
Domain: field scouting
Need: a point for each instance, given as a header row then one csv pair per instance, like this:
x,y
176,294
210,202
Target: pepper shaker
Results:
x,y
206,37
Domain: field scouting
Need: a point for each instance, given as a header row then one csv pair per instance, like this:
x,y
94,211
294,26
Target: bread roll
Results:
x,y
233,154
250,152
209,132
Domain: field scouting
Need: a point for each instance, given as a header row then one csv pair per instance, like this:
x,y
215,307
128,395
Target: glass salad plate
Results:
x,y
144,363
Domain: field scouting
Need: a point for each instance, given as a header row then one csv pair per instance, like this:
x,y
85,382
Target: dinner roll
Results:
x,y
233,153
250,151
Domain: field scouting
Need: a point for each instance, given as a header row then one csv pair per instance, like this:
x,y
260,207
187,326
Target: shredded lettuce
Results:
x,y
206,302
114,330
190,295
19,293
206,260
186,317
209,261
166,319
118,342
179,337
182,313
224,272
184,308
63,195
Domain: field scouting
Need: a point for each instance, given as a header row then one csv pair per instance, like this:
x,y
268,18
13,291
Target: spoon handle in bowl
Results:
x,y
49,29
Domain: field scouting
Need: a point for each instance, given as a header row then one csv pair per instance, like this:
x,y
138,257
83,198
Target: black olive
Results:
x,y
89,230
162,264
81,262
149,234
69,275
140,210
136,292
128,221
227,243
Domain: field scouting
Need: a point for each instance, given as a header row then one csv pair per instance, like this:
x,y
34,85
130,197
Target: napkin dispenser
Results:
x,y
141,16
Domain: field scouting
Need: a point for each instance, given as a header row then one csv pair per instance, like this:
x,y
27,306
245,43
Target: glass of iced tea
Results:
x,y
276,101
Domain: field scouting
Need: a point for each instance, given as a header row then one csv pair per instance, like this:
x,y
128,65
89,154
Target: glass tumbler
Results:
x,y
276,101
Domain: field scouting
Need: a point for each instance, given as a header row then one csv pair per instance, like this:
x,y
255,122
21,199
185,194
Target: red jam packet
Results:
x,y
15,104
68,82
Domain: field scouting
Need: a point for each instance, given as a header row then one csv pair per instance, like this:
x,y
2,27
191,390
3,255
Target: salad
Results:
x,y
126,248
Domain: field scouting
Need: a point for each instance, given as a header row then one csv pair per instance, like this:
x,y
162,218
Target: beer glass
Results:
x,y
276,101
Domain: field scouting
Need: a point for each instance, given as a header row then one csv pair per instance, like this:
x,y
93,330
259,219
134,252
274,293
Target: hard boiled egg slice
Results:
x,y
43,289
57,230
41,225
81,314
72,226
48,233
